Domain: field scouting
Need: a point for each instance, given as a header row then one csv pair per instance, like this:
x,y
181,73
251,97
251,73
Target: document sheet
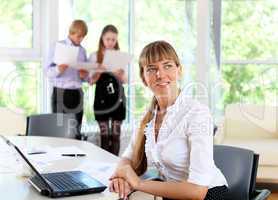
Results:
x,y
116,59
65,54
88,66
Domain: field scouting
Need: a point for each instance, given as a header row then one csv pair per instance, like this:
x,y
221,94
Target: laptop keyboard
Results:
x,y
64,181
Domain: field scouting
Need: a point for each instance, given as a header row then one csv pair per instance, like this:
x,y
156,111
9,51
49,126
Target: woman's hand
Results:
x,y
94,78
83,73
120,74
120,186
128,174
101,68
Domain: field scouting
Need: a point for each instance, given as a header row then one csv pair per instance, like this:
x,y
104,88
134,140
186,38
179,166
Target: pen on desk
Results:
x,y
38,152
74,155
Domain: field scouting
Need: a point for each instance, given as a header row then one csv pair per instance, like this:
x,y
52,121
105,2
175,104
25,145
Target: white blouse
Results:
x,y
184,146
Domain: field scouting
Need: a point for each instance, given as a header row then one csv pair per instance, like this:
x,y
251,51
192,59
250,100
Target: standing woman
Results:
x,y
175,136
110,100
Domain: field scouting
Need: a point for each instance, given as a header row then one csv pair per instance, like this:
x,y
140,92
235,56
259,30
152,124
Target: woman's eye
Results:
x,y
167,66
151,70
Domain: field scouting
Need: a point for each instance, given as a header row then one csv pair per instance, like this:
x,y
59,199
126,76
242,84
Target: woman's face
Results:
x,y
162,76
109,40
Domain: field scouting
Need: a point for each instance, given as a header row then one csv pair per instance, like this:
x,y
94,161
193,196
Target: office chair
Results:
x,y
52,125
239,166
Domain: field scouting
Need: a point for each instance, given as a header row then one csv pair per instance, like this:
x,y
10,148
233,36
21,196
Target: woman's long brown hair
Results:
x,y
153,52
101,47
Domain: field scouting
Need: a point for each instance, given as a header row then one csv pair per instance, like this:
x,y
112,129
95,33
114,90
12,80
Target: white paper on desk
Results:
x,y
89,66
66,150
116,59
12,162
45,158
65,54
101,171
53,154
8,163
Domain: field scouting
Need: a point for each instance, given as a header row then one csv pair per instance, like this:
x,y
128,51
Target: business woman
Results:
x,y
175,136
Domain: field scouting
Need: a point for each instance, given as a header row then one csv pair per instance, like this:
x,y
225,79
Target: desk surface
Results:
x,y
16,187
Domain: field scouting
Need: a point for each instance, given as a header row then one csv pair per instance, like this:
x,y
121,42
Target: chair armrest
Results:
x,y
219,134
261,194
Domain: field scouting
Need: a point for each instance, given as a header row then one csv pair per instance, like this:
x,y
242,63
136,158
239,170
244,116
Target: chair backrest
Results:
x,y
13,122
52,125
239,166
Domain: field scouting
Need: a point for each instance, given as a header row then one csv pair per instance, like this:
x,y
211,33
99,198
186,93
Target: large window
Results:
x,y
20,86
16,23
250,83
249,41
20,72
154,21
249,51
248,44
173,21
98,14
249,30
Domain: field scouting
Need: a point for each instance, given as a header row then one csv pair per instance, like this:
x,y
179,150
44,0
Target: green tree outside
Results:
x,y
250,32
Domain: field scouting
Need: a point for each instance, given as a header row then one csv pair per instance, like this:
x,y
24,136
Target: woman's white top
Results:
x,y
184,146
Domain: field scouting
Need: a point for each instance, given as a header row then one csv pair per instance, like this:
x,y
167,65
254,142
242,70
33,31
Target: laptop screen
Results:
x,y
31,167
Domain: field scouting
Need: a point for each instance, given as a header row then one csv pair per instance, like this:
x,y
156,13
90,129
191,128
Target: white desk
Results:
x,y
15,187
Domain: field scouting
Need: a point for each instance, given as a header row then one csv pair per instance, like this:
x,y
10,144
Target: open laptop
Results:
x,y
61,184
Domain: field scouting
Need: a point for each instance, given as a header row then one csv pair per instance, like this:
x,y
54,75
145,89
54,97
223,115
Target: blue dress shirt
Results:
x,y
70,78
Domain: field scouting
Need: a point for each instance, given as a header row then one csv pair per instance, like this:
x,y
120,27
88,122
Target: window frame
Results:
x,y
10,54
27,54
217,29
218,16
45,33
